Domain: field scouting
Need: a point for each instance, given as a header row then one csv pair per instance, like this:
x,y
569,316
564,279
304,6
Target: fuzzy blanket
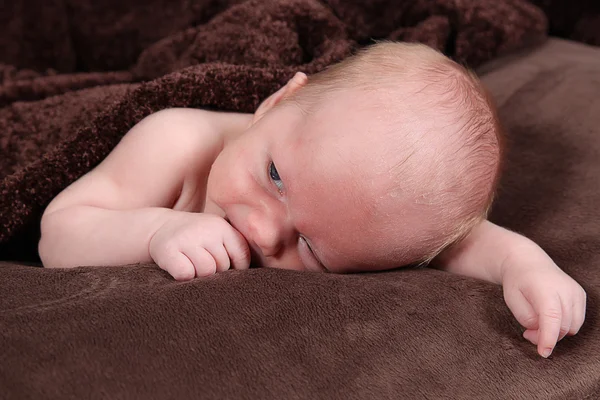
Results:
x,y
75,76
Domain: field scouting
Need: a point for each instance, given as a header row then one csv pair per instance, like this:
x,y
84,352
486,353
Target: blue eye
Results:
x,y
275,176
273,172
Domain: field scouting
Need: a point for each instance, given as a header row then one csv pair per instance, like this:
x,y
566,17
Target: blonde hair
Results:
x,y
449,87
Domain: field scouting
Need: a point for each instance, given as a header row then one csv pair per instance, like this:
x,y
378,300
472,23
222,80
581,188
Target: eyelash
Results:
x,y
306,243
303,239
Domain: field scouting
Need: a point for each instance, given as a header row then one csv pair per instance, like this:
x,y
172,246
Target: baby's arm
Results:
x,y
545,300
109,216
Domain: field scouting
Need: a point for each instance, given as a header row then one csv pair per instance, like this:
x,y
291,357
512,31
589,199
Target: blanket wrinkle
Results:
x,y
479,26
36,87
303,34
166,46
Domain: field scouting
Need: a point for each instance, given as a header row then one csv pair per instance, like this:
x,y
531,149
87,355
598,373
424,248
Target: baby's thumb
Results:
x,y
522,310
238,250
531,335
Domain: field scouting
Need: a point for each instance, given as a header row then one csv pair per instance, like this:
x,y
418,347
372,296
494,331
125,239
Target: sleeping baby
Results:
x,y
389,158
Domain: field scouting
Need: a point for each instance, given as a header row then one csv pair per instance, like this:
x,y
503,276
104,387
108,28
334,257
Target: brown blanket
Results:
x,y
134,332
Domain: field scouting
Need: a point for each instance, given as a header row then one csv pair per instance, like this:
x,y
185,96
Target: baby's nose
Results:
x,y
269,234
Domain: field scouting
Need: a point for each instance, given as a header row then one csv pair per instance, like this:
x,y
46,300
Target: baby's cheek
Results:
x,y
233,188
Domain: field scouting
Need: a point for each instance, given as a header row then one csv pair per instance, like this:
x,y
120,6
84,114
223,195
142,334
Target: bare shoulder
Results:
x,y
157,162
187,117
188,122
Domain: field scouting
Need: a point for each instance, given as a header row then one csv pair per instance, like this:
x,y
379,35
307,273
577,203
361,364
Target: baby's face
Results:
x,y
307,191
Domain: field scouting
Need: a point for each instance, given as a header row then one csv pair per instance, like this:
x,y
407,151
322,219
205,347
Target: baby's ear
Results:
x,y
297,82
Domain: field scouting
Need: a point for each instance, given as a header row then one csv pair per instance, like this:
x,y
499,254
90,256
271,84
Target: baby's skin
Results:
x,y
200,192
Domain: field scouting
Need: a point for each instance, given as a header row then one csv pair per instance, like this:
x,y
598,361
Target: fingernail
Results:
x,y
546,353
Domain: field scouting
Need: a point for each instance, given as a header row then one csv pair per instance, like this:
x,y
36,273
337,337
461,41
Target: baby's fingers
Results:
x,y
238,250
531,335
550,318
178,265
567,318
578,311
521,309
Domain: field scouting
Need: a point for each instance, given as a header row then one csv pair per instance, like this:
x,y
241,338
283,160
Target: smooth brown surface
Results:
x,y
133,332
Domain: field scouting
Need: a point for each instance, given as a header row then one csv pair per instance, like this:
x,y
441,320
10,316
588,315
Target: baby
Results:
x,y
386,159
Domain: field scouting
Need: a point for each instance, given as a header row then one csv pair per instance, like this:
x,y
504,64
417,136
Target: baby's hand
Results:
x,y
545,300
192,245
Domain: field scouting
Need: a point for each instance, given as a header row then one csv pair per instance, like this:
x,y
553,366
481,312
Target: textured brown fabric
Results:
x,y
218,54
133,332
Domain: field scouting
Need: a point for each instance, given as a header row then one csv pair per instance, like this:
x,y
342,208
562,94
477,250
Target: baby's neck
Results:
x,y
233,125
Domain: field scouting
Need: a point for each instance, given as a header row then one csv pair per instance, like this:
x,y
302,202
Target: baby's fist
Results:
x,y
545,300
192,245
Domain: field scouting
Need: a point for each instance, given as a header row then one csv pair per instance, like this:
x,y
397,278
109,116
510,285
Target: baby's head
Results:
x,y
382,160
